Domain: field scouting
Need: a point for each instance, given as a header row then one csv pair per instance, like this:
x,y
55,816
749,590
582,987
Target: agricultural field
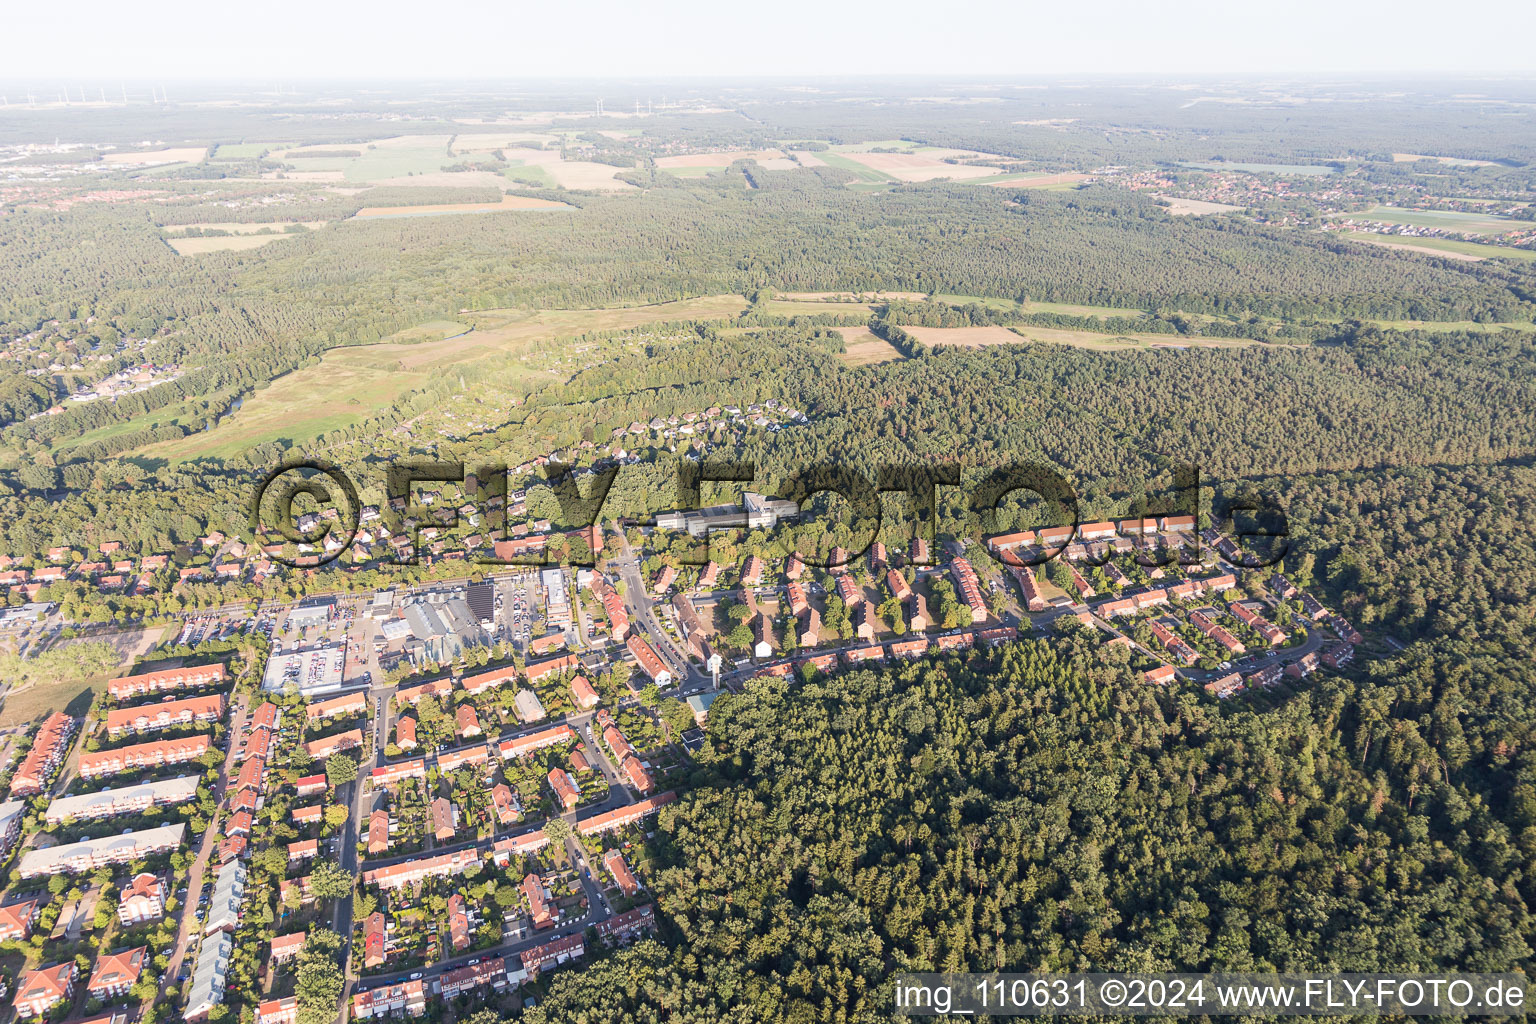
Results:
x,y
1195,207
1449,247
245,150
1444,220
781,307
439,209
773,159
178,155
865,349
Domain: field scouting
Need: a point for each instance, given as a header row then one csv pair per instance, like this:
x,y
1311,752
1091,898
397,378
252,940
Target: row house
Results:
x,y
399,771
540,911
552,954
626,926
539,669
166,715
1338,655
504,802
583,693
1210,628
752,571
522,746
405,997
453,760
78,858
409,696
860,655
1269,675
918,618
808,628
412,871
328,746
445,819
143,755
849,591
613,860
620,817
1177,647
638,775
1303,666
1034,600
1162,675
567,793
49,748
378,832
287,947
345,706
650,663
1226,686
167,681
503,850
481,682
1272,633
309,785
109,803
954,641
491,971
664,580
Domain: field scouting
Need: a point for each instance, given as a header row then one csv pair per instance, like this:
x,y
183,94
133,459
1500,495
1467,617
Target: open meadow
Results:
x,y
350,384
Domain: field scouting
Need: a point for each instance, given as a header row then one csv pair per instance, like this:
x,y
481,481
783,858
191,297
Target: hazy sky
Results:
x,y
79,40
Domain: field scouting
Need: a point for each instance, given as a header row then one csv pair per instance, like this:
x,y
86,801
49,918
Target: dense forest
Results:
x,y
1038,810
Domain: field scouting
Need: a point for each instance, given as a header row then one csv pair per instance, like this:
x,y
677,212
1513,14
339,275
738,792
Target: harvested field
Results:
x,y
785,308
926,165
1037,180
808,159
506,203
864,349
179,155
1195,207
718,159
220,243
964,337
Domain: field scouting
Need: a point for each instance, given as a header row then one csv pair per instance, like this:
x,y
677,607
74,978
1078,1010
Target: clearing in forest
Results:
x,y
352,383
864,349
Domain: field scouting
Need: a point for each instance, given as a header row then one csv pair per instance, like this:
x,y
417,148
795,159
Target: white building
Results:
x,y
125,800
77,858
208,978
